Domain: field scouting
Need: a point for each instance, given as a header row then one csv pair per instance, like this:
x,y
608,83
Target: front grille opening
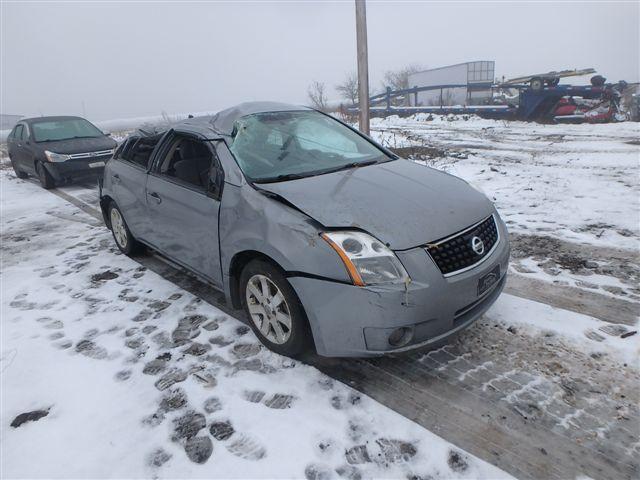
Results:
x,y
456,253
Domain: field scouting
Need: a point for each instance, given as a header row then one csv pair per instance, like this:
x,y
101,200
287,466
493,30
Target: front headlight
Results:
x,y
56,157
368,261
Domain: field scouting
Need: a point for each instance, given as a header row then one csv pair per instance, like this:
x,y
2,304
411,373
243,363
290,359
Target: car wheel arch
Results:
x,y
105,201
237,264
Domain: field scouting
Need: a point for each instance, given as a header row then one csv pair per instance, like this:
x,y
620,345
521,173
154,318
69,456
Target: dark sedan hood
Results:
x,y
79,145
400,202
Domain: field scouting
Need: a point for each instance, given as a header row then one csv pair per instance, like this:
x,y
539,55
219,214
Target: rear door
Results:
x,y
183,215
12,141
128,171
28,149
21,149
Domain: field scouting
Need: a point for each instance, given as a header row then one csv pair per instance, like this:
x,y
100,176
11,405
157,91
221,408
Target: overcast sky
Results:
x,y
136,59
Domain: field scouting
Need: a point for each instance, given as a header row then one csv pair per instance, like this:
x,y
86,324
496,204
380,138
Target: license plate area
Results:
x,y
96,164
488,280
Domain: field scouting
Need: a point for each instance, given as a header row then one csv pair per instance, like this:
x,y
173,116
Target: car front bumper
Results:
x,y
75,170
350,321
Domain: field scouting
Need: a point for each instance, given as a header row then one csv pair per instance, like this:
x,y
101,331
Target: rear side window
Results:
x,y
137,150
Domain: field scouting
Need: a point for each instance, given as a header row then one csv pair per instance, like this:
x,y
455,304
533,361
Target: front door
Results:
x,y
183,216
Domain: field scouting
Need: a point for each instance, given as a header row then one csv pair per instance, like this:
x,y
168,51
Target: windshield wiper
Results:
x,y
64,139
284,177
349,166
295,176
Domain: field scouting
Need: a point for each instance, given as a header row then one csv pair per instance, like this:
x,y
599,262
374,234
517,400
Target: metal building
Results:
x,y
473,79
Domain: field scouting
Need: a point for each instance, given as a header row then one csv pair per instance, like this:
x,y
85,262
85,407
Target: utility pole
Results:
x,y
363,65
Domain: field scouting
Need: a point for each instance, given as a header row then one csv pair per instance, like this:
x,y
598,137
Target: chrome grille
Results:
x,y
456,253
99,155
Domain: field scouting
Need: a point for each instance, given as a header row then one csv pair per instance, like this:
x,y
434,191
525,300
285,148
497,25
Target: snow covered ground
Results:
x,y
139,378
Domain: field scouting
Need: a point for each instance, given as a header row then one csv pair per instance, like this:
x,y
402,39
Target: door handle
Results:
x,y
155,196
116,178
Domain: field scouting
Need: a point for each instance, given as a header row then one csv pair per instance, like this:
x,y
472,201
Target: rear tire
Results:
x,y
19,173
274,310
121,233
46,180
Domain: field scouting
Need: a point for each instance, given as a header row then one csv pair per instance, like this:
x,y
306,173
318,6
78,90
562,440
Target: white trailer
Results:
x,y
476,75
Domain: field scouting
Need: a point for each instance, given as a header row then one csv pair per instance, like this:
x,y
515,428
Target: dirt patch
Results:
x,y
553,255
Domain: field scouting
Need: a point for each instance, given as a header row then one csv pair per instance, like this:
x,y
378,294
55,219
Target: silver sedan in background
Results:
x,y
325,238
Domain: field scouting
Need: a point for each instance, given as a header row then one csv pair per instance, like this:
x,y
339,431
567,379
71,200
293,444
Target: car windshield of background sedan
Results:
x,y
278,146
52,130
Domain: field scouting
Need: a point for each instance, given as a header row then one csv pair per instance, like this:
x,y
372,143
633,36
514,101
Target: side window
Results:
x,y
188,161
25,133
17,133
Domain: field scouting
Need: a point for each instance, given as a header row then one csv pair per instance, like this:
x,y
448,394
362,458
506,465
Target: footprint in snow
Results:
x,y
154,367
63,344
188,425
212,404
102,277
158,457
280,401
175,399
246,447
221,431
123,375
277,401
91,350
254,396
242,330
349,472
198,449
220,341
172,377
457,461
245,350
317,472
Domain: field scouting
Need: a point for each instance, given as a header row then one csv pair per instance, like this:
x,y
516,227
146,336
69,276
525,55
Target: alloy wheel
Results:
x,y
268,309
118,228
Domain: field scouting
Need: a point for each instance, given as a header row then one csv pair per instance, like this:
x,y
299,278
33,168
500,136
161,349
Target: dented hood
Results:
x,y
402,203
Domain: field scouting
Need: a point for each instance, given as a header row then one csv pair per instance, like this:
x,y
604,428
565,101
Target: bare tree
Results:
x,y
348,89
317,95
399,79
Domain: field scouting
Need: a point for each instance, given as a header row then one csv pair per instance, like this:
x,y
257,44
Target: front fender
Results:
x,y
252,221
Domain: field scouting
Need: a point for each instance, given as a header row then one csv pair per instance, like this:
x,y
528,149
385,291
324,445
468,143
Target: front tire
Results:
x,y
46,180
121,233
19,173
274,310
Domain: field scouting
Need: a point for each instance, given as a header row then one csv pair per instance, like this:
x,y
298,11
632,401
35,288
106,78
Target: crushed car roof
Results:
x,y
221,124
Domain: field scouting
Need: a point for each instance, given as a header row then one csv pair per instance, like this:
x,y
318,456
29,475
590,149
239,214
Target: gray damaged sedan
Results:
x,y
324,237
